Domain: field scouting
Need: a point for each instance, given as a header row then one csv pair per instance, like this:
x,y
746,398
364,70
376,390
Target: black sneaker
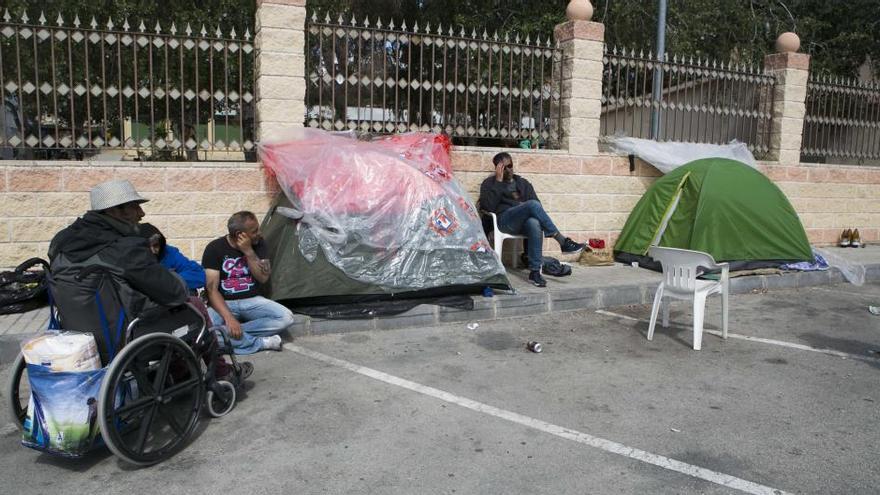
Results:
x,y
571,247
536,279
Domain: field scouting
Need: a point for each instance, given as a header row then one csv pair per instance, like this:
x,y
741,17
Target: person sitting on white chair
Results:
x,y
520,212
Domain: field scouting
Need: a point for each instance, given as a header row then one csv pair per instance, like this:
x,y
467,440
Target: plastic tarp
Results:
x,y
386,212
668,156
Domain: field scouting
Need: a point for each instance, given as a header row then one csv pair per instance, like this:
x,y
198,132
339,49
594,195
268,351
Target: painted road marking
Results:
x,y
559,431
791,345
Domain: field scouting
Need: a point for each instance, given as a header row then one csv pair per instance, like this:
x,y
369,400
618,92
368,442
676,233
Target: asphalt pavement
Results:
x,y
788,403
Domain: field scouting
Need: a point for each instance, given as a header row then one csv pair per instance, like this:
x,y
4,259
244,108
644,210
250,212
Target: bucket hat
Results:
x,y
114,193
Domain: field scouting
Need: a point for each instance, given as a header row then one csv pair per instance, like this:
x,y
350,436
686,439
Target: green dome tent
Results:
x,y
719,206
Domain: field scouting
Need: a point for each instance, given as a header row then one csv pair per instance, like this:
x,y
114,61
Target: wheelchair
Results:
x,y
156,385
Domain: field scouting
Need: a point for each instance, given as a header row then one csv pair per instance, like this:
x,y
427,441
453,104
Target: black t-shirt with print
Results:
x,y
236,281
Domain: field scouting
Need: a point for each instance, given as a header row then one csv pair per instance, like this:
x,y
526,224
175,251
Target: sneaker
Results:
x,y
571,247
845,238
536,279
272,343
855,239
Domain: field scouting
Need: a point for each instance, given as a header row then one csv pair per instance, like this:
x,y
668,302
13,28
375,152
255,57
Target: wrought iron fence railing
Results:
x,y
72,90
842,120
478,89
701,101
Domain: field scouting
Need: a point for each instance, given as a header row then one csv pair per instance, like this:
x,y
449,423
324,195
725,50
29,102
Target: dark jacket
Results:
x,y
495,197
130,279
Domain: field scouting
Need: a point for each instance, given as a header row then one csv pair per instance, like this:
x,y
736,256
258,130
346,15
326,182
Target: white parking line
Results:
x,y
559,431
792,345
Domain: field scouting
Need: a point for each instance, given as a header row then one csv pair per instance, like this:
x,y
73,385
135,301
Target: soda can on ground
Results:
x,y
534,346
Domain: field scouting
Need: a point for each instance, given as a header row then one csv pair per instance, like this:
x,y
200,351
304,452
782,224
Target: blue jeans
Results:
x,y
259,317
529,219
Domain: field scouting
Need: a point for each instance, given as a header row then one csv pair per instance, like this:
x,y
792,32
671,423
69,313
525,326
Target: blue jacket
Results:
x,y
191,272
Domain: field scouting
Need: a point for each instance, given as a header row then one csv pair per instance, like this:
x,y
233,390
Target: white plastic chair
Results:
x,y
681,267
499,237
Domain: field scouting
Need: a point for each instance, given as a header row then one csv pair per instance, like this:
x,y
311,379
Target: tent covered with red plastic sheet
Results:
x,y
364,219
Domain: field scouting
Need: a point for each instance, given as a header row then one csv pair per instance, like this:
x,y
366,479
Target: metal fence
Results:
x,y
701,101
478,89
72,91
842,120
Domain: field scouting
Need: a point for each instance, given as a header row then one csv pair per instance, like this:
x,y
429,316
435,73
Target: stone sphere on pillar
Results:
x,y
579,10
788,42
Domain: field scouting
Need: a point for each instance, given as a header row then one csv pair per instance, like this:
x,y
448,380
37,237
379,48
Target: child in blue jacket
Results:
x,y
171,258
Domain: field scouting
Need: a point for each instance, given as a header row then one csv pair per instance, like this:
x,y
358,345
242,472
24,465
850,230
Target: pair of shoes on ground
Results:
x,y
272,343
851,238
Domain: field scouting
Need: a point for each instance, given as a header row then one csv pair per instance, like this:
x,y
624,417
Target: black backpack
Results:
x,y
23,289
553,267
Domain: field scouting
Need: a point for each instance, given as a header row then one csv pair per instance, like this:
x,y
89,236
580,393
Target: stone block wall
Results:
x,y
189,202
589,196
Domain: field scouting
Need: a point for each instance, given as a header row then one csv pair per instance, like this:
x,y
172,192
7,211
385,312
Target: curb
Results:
x,y
530,304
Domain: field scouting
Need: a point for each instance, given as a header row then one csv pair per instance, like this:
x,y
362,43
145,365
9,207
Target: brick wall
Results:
x,y
189,202
592,196
586,196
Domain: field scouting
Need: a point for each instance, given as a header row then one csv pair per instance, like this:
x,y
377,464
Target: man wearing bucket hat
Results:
x,y
107,236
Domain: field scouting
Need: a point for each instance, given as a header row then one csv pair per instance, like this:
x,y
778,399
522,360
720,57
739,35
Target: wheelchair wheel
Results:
x,y
18,391
150,399
221,400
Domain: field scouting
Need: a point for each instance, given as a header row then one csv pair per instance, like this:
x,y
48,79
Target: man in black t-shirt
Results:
x,y
513,200
235,269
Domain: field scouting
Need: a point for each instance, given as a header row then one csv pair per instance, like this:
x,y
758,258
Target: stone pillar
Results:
x,y
582,43
789,99
280,66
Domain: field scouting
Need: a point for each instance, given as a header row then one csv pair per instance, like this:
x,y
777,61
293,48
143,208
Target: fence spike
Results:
x,y
516,39
314,16
528,39
366,21
141,27
403,25
485,34
6,16
691,60
125,24
451,32
173,29
439,29
218,33
42,19
203,31
378,23
416,27
247,34
474,33
326,17
188,30
339,19
495,35
538,40
461,33
507,37
110,25
76,22
158,28
232,33
25,18
93,23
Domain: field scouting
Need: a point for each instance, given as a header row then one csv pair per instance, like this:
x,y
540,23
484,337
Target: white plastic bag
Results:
x,y
63,351
668,156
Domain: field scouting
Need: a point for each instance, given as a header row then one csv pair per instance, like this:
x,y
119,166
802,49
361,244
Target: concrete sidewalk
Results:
x,y
586,288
